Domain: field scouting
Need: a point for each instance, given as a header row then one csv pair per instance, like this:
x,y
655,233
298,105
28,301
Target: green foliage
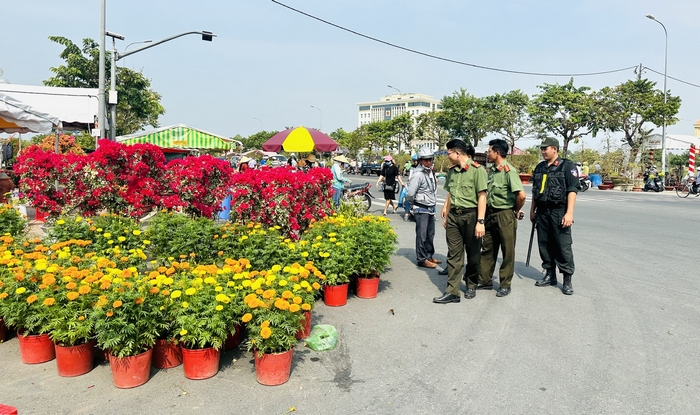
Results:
x,y
138,107
177,236
353,141
65,228
11,222
507,115
402,127
264,248
526,163
255,141
428,129
464,116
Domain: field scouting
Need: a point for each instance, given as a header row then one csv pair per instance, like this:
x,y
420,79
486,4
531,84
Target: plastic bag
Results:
x,y
322,337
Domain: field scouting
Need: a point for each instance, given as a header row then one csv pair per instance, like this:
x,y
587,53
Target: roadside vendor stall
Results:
x,y
179,140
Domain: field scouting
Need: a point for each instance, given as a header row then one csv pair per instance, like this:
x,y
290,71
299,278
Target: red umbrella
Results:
x,y
300,139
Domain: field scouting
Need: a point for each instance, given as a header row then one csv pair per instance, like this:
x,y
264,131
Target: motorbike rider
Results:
x,y
422,190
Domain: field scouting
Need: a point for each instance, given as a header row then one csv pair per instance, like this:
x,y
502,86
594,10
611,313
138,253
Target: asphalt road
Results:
x,y
626,342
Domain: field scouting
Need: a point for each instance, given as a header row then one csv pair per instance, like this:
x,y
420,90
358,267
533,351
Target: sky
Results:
x,y
269,66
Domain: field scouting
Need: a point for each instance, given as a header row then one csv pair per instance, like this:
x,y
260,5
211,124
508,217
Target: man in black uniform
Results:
x,y
554,189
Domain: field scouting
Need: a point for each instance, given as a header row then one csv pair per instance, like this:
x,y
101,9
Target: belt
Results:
x,y
495,210
461,211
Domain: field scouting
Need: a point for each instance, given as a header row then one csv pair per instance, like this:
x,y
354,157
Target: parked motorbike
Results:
x,y
652,181
361,190
584,182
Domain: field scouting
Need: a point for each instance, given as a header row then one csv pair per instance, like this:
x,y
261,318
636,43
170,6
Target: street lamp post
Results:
x,y
101,73
392,87
663,127
113,86
321,113
255,118
134,43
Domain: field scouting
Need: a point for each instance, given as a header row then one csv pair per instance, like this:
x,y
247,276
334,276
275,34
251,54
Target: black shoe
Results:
x,y
567,288
502,292
442,272
485,286
470,293
446,298
550,278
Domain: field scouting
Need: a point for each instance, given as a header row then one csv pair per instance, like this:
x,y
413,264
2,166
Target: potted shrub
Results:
x,y
372,240
333,256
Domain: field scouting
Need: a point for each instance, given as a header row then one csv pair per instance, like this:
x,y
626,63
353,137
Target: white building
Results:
x,y
391,106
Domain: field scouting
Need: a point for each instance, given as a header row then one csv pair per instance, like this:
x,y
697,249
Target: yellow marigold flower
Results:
x,y
176,294
107,235
32,298
185,304
84,289
219,307
304,254
121,239
183,332
210,280
81,318
60,222
136,232
41,266
265,333
246,317
190,291
306,307
282,283
117,304
294,308
218,288
72,295
20,290
265,323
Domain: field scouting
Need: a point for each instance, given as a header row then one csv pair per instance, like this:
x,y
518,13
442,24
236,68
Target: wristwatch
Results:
x,y
481,221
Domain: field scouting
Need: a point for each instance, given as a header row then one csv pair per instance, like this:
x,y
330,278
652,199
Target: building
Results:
x,y
391,106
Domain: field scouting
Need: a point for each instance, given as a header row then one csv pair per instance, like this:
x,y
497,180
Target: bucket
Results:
x,y
200,363
274,368
74,360
335,295
36,348
367,287
131,371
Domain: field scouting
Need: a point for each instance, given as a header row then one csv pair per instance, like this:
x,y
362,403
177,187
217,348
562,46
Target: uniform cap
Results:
x,y
550,141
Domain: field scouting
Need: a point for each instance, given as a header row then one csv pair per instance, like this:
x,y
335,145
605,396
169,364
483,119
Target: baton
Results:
x,y
529,247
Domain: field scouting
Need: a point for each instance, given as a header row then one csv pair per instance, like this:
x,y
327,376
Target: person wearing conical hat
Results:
x,y
311,161
243,164
338,179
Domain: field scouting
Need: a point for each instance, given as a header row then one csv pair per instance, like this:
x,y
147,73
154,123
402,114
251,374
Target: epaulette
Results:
x,y
475,164
506,168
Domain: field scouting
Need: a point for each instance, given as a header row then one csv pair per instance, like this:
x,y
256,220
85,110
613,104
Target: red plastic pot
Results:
x,y
36,348
74,360
234,339
335,295
367,287
131,371
200,363
274,368
166,354
305,329
7,410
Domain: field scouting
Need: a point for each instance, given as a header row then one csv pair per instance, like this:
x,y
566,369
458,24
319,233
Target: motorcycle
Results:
x,y
584,182
360,190
652,181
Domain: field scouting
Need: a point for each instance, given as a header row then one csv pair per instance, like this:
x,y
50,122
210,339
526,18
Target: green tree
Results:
x,y
403,130
565,111
464,116
138,107
428,129
255,141
507,115
350,140
628,106
379,134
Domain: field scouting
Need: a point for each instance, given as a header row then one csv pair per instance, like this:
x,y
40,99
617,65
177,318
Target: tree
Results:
x,y
429,129
628,106
404,132
350,140
255,141
379,134
464,116
565,111
507,115
138,105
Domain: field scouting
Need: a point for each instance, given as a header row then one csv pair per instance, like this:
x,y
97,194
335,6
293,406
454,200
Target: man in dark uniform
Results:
x,y
554,189
504,199
463,219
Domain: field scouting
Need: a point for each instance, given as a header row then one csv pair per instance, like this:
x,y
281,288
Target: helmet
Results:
x,y
578,163
414,157
293,156
425,153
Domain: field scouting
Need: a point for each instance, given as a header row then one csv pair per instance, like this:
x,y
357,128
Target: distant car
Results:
x,y
278,160
370,169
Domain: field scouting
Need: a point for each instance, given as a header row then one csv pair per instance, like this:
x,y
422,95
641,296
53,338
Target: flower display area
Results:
x,y
182,282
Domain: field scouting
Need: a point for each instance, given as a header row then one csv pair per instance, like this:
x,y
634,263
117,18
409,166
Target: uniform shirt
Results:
x,y
503,184
464,184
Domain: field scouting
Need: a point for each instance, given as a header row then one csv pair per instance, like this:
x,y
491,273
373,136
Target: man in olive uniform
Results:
x,y
463,219
504,199
554,189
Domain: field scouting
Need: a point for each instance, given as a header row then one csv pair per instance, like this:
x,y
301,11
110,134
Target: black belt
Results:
x,y
461,211
495,210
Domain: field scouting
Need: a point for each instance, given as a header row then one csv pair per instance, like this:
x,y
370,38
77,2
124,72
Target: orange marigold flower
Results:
x,y
32,298
306,307
297,300
84,289
138,300
246,317
105,285
316,286
154,290
294,308
49,301
265,333
3,295
72,295
71,286
117,304
110,313
265,323
81,318
287,294
165,292
268,294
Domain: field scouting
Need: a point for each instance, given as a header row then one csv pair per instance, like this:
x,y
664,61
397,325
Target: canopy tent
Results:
x,y
180,136
674,142
18,117
76,108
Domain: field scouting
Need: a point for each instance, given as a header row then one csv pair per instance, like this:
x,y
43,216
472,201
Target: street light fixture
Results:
x,y
134,43
320,112
663,128
255,118
392,87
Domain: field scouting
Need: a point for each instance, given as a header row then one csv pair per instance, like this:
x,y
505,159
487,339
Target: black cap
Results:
x,y
550,141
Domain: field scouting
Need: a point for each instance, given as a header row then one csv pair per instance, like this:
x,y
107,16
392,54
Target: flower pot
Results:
x,y
74,360
273,369
36,348
39,216
525,178
101,355
605,186
166,354
335,295
131,371
200,363
305,329
234,339
367,287
3,330
8,410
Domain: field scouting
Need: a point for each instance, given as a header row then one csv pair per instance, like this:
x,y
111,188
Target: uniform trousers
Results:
x,y
460,238
554,241
501,226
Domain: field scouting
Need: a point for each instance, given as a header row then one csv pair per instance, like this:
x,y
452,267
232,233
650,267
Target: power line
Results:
x,y
447,59
675,79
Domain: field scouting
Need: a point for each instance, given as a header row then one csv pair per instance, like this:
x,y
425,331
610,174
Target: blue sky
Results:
x,y
273,64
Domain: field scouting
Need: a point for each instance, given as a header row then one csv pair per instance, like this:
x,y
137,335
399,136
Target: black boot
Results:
x,y
550,278
567,288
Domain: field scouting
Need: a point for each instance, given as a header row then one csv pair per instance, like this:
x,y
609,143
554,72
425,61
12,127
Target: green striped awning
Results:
x,y
179,136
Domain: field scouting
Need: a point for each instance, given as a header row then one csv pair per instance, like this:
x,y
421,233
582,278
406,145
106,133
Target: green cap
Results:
x,y
550,141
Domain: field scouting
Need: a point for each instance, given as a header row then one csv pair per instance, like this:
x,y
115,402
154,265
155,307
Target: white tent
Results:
x,y
674,142
76,108
18,117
